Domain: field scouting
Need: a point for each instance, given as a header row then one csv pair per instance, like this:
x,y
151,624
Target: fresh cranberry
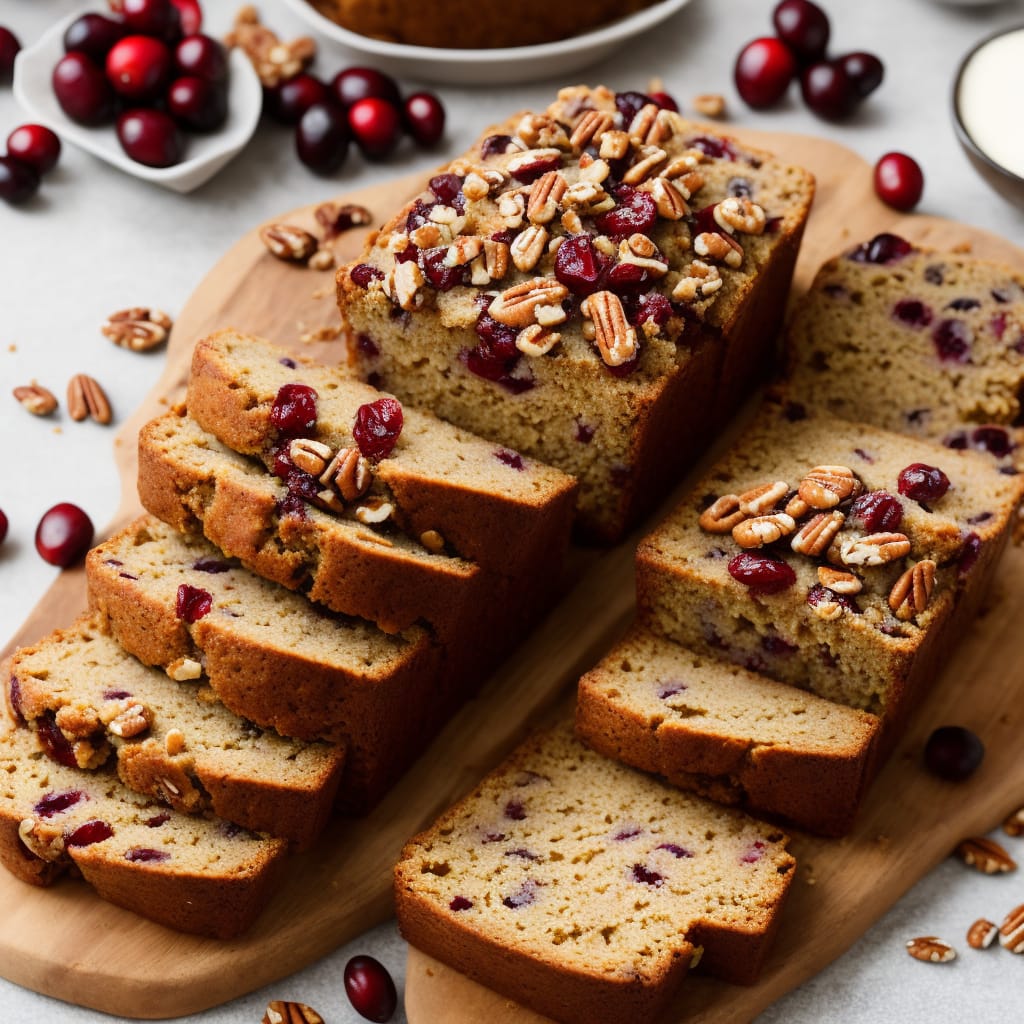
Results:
x,y
764,69
138,67
354,84
912,312
370,988
57,803
761,574
157,18
3,526
922,482
635,212
322,137
146,855
864,70
18,180
34,145
438,274
288,101
63,535
192,603
203,57
495,145
424,118
884,248
150,137
377,427
664,100
459,903
54,742
9,47
899,181
197,103
629,104
952,340
293,413
877,512
94,35
376,126
803,27
994,440
363,273
645,875
828,90
447,190
190,15
953,753
82,90
579,266
90,832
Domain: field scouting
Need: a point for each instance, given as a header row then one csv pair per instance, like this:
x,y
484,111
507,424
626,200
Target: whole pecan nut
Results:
x,y
349,473
985,855
761,530
137,328
981,934
763,498
615,336
874,549
722,514
515,306
815,536
913,590
288,242
931,949
825,487
36,399
87,399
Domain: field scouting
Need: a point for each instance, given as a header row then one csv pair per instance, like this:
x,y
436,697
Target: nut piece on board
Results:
x,y
1011,931
981,934
87,399
280,1011
1014,824
985,855
36,399
138,328
931,950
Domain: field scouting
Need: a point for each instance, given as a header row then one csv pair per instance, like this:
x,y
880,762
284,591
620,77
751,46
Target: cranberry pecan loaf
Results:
x,y
446,488
193,874
269,654
585,890
596,286
732,735
916,341
830,555
90,701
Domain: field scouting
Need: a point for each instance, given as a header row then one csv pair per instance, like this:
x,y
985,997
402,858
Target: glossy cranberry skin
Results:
x,y
82,90
3,526
953,753
764,69
663,100
882,249
363,273
150,137
156,18
9,47
203,57
376,126
377,427
865,70
322,137
192,603
293,413
63,535
288,101
922,482
138,67
899,181
828,90
761,574
579,266
351,85
35,145
630,103
18,181
877,512
94,35
424,118
90,832
197,103
635,212
370,989
803,27
190,16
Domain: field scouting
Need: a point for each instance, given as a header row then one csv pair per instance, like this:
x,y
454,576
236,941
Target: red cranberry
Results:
x,y
138,67
377,427
90,832
648,877
321,138
190,14
877,512
653,307
63,535
952,340
899,181
370,989
514,461
57,803
635,212
34,145
293,413
288,101
94,35
447,190
18,180
533,169
82,90
495,145
764,69
663,100
828,90
969,554
994,440
192,603
197,103
761,574
156,18
438,274
363,273
424,118
376,126
803,27
629,104
579,266
865,70
922,482
354,84
884,248
150,137
9,47
459,903
203,57
953,753
145,855
54,742
3,526
912,312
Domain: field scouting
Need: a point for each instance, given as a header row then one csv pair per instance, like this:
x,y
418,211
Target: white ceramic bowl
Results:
x,y
499,66
205,154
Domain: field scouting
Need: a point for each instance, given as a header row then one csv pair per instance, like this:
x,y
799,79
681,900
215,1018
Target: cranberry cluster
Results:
x,y
149,67
359,104
32,150
831,87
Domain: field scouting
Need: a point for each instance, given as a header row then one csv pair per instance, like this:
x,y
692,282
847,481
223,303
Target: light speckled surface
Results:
x,y
95,241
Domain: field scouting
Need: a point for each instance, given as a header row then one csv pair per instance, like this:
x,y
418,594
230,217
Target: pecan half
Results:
x,y
722,515
981,934
87,399
913,590
826,486
931,950
310,456
649,159
814,537
36,399
528,247
761,530
545,196
535,340
846,583
289,243
134,720
350,473
590,128
615,337
137,328
1014,824
874,549
643,123
515,306
281,1011
759,500
985,855
671,203
1011,931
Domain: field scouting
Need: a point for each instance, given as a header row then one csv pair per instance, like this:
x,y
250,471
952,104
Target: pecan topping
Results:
x,y
335,219
374,513
1011,931
616,339
515,306
700,280
280,1011
532,156
496,259
545,196
671,203
1014,824
685,163
931,950
36,399
797,507
540,130
46,842
874,549
761,530
87,399
310,456
614,145
590,128
715,246
131,721
405,281
826,486
426,236
913,590
183,669
838,581
287,242
827,605
981,934
985,855
589,196
817,534
463,250
738,213
536,340
511,208
722,515
349,473
643,122
649,159
137,328
528,247
759,500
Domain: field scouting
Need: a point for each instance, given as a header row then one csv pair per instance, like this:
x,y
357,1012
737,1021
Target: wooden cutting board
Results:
x,y
67,943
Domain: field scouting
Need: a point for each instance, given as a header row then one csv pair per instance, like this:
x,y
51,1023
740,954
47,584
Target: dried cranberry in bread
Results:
x,y
448,489
731,735
271,655
596,286
193,874
90,702
830,555
583,889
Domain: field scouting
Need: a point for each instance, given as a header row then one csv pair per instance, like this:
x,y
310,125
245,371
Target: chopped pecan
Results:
x,y
515,306
528,247
274,61
759,500
183,669
86,398
709,104
1014,824
590,128
738,213
545,196
589,197
615,337
700,281
981,934
137,328
913,590
36,399
350,473
722,515
41,839
594,171
814,537
281,1011
797,507
310,456
132,720
535,340
403,285
826,486
539,131
643,123
839,581
432,541
377,512
496,259
640,251
288,242
336,220
174,742
931,950
985,855
322,259
463,250
761,530
648,160
1011,931
874,549
716,246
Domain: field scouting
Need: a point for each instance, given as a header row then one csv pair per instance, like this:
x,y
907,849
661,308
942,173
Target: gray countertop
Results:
x,y
95,241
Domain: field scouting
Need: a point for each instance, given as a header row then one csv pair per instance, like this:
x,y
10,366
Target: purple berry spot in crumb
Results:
x,y
511,459
864,455
715,147
963,305
935,273
997,325
952,339
994,440
774,644
493,837
290,363
629,832
57,803
127,576
116,694
90,832
522,854
969,553
917,416
460,903
753,853
648,877
113,561
366,345
211,566
146,855
515,811
15,699
666,690
912,312
54,742
714,553
584,434
981,517
157,820
523,896
192,603
676,851
742,188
